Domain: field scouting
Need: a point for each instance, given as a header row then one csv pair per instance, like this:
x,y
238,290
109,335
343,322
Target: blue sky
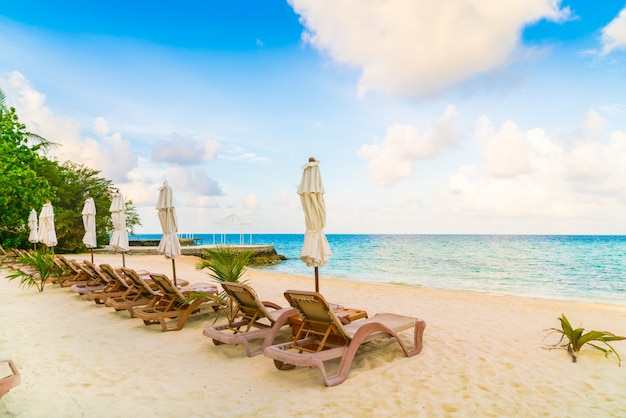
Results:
x,y
461,117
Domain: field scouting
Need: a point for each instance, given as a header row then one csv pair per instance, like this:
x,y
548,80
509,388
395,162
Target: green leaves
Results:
x,y
225,264
577,338
36,268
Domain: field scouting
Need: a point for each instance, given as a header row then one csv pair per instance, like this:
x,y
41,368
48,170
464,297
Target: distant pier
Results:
x,y
262,255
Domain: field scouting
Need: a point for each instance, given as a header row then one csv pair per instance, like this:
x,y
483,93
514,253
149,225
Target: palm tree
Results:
x,y
38,266
225,264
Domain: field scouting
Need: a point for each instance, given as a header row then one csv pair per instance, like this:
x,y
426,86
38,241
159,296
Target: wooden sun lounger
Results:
x,y
139,293
312,345
171,302
115,286
93,283
251,320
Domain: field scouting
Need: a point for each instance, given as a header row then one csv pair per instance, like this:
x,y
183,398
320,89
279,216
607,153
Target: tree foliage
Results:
x,y
28,179
22,186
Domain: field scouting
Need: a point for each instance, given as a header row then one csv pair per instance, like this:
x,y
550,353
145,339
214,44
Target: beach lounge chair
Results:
x,y
139,293
72,273
251,320
312,345
171,302
115,285
9,382
94,282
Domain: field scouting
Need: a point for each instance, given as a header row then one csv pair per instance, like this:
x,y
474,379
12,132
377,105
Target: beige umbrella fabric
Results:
x,y
89,222
119,238
46,234
169,244
315,250
32,225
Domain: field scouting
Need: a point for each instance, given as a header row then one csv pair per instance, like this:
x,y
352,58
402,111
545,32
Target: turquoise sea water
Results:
x,y
584,268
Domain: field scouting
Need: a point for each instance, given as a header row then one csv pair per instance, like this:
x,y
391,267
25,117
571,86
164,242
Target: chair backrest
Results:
x,y
247,300
167,287
97,272
316,312
109,271
138,282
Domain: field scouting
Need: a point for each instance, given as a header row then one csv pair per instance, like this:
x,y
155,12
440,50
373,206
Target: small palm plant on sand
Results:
x,y
225,264
577,338
37,267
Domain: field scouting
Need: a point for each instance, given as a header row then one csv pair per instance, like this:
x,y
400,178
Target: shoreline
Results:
x,y
482,356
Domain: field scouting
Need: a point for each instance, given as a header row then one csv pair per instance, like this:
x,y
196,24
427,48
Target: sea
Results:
x,y
588,268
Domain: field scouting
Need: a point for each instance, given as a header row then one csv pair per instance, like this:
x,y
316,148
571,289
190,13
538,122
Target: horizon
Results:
x,y
461,118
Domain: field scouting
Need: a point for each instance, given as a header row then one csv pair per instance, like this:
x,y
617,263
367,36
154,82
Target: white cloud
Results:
x,y
251,202
506,152
614,34
415,48
548,178
184,150
593,121
403,147
110,154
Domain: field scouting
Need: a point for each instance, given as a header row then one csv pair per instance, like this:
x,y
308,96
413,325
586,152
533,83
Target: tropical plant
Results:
x,y
225,264
39,266
577,338
28,179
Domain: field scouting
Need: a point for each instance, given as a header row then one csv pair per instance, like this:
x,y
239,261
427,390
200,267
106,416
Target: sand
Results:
x,y
482,356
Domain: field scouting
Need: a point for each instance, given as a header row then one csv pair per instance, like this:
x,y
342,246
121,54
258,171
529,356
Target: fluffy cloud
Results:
x,y
532,174
614,34
414,48
403,147
108,152
184,150
507,152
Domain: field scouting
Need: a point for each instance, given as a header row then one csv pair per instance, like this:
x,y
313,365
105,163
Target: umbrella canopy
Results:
x,y
46,234
169,244
89,222
119,238
32,225
315,250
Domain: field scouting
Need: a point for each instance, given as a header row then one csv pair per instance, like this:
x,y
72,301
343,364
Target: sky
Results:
x,y
456,117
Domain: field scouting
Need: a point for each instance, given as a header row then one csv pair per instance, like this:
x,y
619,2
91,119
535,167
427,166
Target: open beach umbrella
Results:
x,y
119,239
169,244
46,234
315,250
89,222
32,225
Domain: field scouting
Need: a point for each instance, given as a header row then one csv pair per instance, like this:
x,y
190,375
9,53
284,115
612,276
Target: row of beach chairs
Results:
x,y
320,332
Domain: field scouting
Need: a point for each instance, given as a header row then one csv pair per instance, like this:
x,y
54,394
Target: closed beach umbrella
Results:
x,y
169,244
89,222
46,234
315,250
119,239
32,225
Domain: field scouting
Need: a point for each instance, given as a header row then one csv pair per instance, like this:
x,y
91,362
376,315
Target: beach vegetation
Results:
x,y
573,339
28,179
37,266
224,264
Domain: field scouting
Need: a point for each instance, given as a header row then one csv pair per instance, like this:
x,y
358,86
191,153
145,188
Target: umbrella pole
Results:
x,y
92,256
317,278
123,260
174,271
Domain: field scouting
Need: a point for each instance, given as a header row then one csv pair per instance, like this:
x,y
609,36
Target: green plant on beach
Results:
x,y
224,264
38,266
577,338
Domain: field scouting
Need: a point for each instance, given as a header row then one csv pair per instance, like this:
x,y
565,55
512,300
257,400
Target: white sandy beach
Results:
x,y
482,356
